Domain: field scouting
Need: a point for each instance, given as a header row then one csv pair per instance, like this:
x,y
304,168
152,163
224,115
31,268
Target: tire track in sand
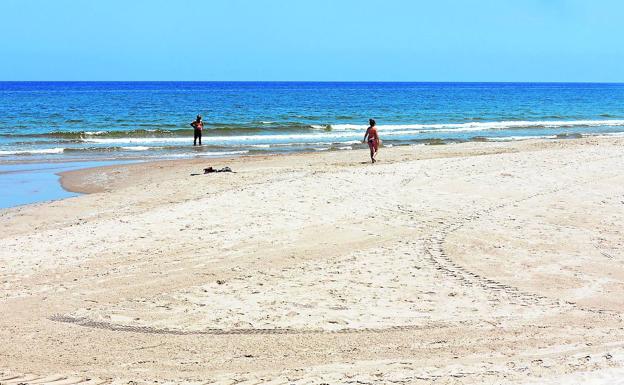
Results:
x,y
434,248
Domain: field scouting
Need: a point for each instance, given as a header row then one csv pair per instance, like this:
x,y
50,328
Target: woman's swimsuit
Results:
x,y
372,137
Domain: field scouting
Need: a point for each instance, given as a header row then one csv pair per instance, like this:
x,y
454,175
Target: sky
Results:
x,y
313,40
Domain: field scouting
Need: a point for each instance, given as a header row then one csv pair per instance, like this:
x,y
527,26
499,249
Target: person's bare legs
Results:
x,y
371,146
376,148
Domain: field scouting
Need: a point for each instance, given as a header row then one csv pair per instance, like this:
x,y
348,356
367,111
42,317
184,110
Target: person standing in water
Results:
x,y
198,126
373,139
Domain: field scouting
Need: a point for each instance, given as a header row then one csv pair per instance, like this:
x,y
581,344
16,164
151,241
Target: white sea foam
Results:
x,y
139,148
347,134
312,143
483,126
611,134
58,150
135,140
514,138
215,154
255,139
275,139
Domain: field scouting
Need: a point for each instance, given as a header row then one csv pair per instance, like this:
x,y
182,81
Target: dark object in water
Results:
x,y
211,169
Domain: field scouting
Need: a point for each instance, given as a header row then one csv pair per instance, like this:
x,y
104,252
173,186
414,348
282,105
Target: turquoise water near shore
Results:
x,y
126,120
22,184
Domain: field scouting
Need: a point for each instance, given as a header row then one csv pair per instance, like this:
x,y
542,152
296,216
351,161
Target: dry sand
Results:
x,y
473,263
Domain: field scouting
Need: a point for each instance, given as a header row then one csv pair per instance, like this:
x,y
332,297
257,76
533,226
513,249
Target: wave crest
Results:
x,y
483,126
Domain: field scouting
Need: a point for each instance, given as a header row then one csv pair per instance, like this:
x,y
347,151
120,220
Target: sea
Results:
x,y
91,121
48,127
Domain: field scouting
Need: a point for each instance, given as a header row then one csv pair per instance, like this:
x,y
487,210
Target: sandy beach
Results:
x,y
473,263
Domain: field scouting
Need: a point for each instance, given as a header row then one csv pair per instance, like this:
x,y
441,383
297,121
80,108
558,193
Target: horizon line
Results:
x,y
315,81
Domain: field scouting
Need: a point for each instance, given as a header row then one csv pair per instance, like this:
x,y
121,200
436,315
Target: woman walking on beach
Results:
x,y
373,139
198,126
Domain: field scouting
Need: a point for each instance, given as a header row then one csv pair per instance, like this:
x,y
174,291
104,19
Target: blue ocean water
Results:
x,y
126,120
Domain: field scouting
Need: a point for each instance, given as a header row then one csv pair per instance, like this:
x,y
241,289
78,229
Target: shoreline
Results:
x,y
74,180
75,187
82,181
476,263
152,152
24,184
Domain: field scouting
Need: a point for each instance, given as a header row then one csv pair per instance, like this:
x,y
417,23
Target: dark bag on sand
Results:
x,y
211,170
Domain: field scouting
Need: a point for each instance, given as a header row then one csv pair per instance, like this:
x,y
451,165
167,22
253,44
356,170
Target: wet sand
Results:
x,y
461,264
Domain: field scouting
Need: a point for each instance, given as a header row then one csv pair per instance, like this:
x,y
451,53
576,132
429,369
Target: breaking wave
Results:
x,y
483,126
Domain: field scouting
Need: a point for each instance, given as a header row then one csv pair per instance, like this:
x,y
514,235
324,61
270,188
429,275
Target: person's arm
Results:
x,y
194,125
366,134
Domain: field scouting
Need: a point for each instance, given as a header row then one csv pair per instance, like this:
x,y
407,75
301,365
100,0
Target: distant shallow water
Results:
x,y
22,184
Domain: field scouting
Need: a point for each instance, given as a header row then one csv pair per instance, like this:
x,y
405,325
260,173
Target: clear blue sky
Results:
x,y
384,40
